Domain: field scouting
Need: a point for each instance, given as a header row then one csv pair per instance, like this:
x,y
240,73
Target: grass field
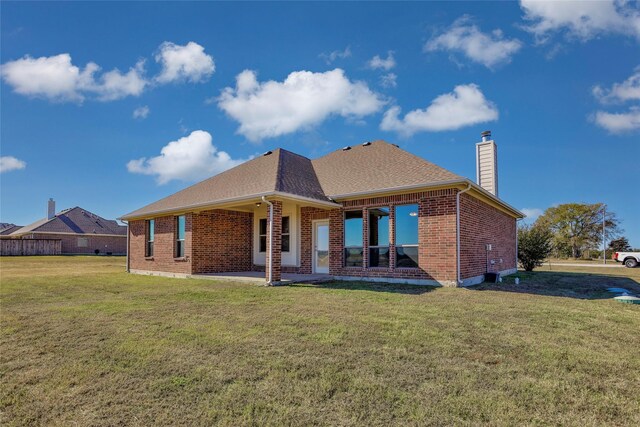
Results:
x,y
83,343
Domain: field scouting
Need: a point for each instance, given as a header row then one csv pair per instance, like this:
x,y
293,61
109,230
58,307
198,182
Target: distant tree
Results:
x,y
577,226
534,245
620,245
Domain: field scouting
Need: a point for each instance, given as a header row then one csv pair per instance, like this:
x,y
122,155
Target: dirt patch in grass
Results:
x,y
84,343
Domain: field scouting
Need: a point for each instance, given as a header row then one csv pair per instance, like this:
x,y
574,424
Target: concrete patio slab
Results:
x,y
258,277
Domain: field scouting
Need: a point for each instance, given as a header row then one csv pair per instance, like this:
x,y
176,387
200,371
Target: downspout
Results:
x,y
270,266
127,222
458,231
517,219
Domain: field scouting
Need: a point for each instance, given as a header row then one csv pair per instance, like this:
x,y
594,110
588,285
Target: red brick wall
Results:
x,y
482,224
436,237
163,259
222,241
114,244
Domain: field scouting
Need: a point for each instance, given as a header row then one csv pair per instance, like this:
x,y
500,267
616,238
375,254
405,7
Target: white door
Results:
x,y
321,247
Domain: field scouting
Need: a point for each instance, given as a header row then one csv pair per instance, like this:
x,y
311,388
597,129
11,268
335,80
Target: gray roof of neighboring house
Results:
x,y
6,229
371,167
74,220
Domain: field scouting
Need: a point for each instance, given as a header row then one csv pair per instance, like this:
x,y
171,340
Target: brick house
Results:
x,y
369,212
80,232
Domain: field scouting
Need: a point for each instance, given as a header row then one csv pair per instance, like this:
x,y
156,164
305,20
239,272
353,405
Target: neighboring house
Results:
x,y
369,212
6,229
80,231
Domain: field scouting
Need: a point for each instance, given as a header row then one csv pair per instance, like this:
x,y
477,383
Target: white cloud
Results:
x,y
532,213
629,90
386,64
581,19
304,99
9,163
190,158
57,79
465,106
184,63
619,122
389,80
488,49
336,54
114,85
141,112
53,77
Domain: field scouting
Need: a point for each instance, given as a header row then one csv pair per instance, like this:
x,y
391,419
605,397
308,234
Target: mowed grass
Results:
x,y
84,343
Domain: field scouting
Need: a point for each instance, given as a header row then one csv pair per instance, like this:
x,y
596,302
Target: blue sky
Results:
x,y
216,83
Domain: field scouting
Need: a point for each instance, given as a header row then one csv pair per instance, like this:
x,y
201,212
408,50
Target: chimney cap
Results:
x,y
486,133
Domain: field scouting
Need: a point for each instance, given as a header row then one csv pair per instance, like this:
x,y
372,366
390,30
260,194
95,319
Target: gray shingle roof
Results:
x,y
6,229
374,167
74,220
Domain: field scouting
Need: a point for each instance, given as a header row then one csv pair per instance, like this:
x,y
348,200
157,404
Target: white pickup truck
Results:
x,y
629,259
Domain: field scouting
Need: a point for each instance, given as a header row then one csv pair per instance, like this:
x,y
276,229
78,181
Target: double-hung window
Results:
x,y
353,248
180,233
406,226
378,237
149,236
285,234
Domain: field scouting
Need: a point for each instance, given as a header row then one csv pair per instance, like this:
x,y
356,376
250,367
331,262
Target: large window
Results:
x,y
379,237
353,239
150,235
406,218
285,243
83,242
180,233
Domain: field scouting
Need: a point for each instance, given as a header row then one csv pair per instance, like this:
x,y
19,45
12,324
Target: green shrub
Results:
x,y
534,245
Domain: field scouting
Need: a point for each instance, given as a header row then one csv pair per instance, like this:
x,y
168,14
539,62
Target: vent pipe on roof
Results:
x,y
347,148
487,163
51,208
366,144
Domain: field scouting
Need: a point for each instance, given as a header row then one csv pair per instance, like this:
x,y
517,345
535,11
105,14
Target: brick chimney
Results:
x,y
487,163
51,208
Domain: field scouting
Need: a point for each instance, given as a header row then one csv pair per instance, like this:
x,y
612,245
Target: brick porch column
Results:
x,y
276,251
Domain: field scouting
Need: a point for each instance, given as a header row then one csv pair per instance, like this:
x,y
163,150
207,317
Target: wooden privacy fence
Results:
x,y
13,247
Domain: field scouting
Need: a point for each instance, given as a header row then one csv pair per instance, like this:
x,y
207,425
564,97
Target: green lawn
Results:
x,y
83,343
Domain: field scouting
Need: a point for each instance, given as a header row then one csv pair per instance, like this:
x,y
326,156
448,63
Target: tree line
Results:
x,y
570,230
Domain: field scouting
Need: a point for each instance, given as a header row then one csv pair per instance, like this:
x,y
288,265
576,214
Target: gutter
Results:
x,y
222,202
459,280
517,219
270,266
426,186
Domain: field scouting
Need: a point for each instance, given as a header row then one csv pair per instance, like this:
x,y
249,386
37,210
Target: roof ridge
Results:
x,y
279,172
